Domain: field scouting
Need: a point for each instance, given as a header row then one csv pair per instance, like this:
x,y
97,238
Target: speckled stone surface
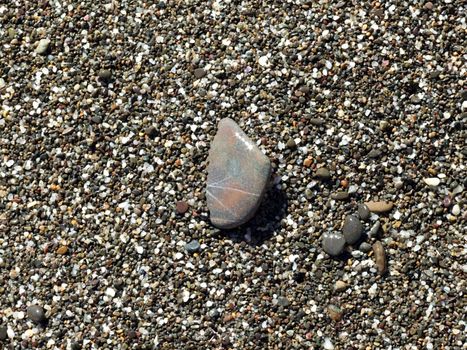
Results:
x,y
237,176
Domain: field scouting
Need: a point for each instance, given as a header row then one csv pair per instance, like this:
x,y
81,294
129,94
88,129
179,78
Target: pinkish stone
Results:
x,y
238,173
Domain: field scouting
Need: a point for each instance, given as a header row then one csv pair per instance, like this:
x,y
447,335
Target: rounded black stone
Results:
x,y
36,314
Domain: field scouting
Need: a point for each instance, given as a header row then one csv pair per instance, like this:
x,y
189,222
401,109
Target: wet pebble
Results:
x,y
333,243
456,210
36,314
352,229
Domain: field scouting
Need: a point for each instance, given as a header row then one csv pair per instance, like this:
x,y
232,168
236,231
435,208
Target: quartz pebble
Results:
x,y
238,173
432,181
36,314
352,229
379,207
42,46
333,243
456,210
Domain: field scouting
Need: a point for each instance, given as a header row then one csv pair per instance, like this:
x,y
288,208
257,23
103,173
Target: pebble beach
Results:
x,y
108,111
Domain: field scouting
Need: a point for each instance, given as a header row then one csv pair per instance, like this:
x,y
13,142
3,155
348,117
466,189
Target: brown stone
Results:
x,y
380,206
181,207
380,257
62,250
238,173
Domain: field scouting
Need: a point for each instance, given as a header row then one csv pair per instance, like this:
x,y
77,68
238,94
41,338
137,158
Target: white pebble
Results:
x,y
263,61
456,210
110,292
432,181
328,344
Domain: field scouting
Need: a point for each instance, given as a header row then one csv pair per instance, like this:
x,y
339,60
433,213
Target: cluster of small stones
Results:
x,y
107,112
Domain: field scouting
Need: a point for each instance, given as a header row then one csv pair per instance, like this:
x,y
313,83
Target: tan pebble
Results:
x,y
380,257
340,286
62,250
379,206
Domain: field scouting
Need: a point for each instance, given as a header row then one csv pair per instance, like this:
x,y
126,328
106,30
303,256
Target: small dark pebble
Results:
x,y
105,74
374,231
36,314
299,276
199,73
192,247
365,247
75,345
181,207
291,144
374,153
363,212
283,301
317,121
340,196
323,174
96,119
3,333
151,131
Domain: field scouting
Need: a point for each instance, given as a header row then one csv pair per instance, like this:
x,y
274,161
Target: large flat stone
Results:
x,y
238,173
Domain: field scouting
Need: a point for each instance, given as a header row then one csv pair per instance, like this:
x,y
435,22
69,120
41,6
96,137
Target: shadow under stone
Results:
x,y
266,221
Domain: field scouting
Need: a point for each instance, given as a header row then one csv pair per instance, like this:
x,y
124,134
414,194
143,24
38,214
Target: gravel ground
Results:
x,y
107,113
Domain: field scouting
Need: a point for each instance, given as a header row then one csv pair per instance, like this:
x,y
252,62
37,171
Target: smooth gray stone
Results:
x,y
352,229
333,243
363,212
